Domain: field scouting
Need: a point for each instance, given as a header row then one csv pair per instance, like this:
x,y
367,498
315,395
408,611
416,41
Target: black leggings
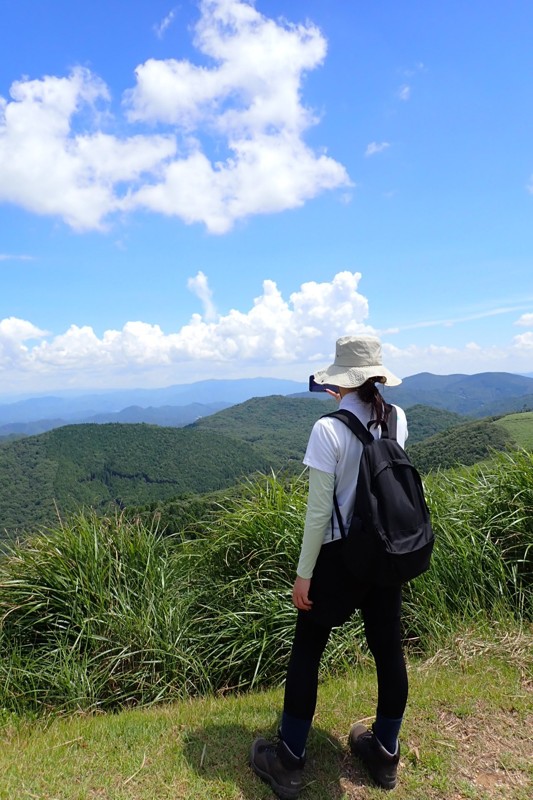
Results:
x,y
381,618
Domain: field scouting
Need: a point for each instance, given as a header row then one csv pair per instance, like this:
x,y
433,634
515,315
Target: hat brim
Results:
x,y
352,377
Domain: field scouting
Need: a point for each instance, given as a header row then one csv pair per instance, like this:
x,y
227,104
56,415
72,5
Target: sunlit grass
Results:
x,y
468,717
106,613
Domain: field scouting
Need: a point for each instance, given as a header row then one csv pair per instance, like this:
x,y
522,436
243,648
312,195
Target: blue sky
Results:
x,y
222,188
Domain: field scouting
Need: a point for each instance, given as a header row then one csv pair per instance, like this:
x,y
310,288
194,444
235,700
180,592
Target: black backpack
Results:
x,y
390,538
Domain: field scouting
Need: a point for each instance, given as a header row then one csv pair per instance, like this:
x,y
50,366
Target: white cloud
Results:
x,y
165,23
273,333
199,285
376,147
10,257
13,335
47,168
525,342
246,105
526,320
276,336
250,101
469,359
404,92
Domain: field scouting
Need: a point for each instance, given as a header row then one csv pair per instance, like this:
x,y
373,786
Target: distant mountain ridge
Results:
x,y
73,409
478,395
165,416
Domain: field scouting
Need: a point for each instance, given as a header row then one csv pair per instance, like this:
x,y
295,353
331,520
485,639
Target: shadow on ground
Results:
x,y
220,753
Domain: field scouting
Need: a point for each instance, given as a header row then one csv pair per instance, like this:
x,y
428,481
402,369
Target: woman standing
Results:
x,y
326,593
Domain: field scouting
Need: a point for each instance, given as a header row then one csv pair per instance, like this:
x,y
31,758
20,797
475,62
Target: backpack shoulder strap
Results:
x,y
390,429
354,424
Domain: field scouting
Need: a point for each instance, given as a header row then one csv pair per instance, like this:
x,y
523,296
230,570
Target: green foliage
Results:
x,y
91,616
167,470
483,559
279,426
463,445
183,514
109,612
424,421
106,466
240,573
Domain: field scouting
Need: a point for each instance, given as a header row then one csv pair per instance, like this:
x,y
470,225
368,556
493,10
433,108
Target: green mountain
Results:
x,y
279,426
462,445
147,467
424,421
481,395
121,465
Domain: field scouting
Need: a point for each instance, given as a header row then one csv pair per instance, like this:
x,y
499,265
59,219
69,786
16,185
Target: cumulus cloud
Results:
x,y
200,286
14,333
274,332
376,147
524,342
526,320
56,157
47,168
250,101
279,336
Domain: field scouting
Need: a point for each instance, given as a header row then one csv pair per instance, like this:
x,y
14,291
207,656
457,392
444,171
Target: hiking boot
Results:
x,y
277,765
381,765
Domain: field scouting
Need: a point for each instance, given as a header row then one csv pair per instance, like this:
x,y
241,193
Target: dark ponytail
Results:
x,y
369,393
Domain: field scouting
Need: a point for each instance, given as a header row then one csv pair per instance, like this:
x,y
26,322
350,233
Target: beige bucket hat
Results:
x,y
357,358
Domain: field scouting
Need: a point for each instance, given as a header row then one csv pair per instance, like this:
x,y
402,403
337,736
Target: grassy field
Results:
x,y
520,426
468,735
108,628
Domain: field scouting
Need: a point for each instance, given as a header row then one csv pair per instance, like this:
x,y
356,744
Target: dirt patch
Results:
x,y
492,751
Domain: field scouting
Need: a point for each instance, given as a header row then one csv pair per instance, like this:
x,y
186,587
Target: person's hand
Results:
x,y
336,395
300,593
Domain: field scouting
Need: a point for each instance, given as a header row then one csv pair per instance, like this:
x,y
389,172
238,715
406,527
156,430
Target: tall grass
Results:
x,y
102,613
91,616
240,574
483,561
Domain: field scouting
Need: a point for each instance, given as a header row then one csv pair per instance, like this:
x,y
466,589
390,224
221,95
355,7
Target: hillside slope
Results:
x,y
280,426
520,427
98,465
462,445
144,466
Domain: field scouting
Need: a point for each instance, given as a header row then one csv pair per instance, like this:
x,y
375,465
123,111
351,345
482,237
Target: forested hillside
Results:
x,y
462,445
423,421
176,470
280,426
99,465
